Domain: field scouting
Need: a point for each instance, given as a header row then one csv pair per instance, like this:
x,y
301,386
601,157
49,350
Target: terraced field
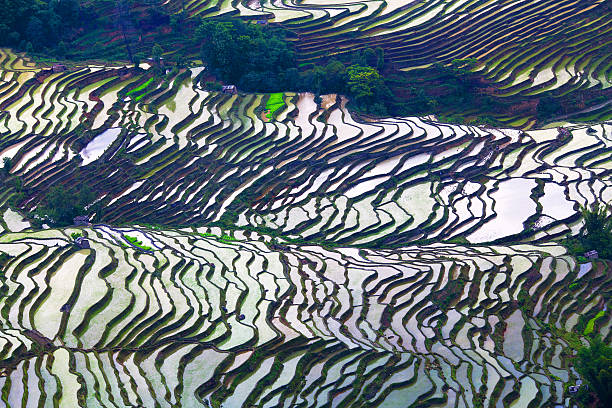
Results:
x,y
311,259
248,321
524,47
313,173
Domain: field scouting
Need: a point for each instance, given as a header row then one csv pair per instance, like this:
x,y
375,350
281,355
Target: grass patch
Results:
x,y
138,244
223,238
141,87
591,324
275,102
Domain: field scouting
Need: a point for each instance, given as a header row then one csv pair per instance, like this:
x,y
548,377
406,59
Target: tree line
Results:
x,y
260,58
34,25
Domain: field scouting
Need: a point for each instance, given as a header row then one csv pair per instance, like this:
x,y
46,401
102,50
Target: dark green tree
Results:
x,y
248,55
335,76
68,11
5,31
7,164
363,81
61,49
595,366
370,57
548,107
14,13
61,205
597,232
380,58
157,52
35,32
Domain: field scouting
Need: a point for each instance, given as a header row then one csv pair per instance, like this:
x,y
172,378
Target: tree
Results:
x,y
596,219
176,22
61,49
68,10
4,30
157,52
335,76
13,13
367,87
548,107
597,232
44,23
242,53
362,81
122,7
595,366
380,56
35,32
370,58
61,206
7,164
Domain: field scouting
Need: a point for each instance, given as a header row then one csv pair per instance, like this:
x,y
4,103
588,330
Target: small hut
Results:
x,y
82,243
156,61
56,68
591,255
230,89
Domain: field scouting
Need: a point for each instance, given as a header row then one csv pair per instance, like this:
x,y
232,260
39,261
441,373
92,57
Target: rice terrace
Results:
x,y
306,203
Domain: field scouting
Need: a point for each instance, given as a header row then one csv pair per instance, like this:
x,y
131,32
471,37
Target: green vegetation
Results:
x,y
595,366
36,25
223,238
261,59
6,165
597,232
275,102
141,87
591,324
549,107
137,243
60,206
367,87
253,58
226,238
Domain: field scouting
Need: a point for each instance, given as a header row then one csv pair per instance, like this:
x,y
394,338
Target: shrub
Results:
x,y
213,86
6,165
